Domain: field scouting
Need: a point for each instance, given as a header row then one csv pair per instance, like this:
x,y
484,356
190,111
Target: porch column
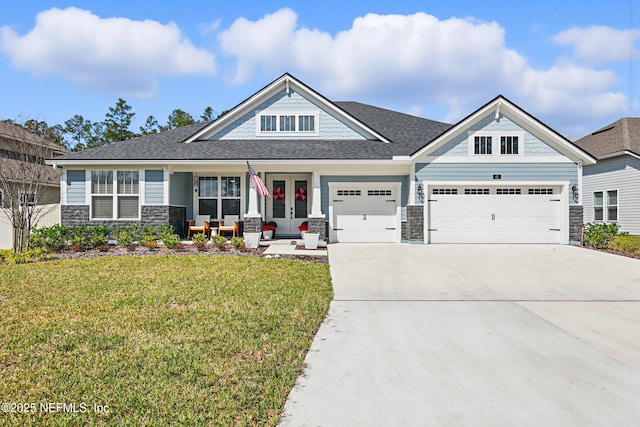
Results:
x,y
316,199
316,217
252,210
252,219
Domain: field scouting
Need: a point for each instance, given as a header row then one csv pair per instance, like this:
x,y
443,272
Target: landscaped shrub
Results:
x,y
124,235
80,237
149,237
99,238
600,235
169,238
627,244
219,242
199,240
52,238
238,242
38,254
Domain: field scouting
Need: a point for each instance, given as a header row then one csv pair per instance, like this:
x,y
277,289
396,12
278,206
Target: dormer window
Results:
x,y
287,123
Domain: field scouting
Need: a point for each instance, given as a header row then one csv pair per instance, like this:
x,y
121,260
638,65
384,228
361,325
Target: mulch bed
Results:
x,y
613,252
187,250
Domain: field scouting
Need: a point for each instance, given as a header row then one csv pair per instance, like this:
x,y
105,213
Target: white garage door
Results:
x,y
365,214
486,214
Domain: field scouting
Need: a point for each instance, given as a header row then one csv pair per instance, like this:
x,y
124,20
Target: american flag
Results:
x,y
262,189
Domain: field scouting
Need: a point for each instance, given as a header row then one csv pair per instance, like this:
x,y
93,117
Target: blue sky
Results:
x,y
574,65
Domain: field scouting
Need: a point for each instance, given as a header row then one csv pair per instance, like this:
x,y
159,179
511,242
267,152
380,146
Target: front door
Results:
x,y
289,204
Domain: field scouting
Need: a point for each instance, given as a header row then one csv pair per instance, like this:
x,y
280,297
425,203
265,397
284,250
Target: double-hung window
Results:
x,y
124,196
128,190
102,194
605,206
219,196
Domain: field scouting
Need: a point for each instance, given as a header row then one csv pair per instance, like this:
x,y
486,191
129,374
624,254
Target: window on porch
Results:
x,y
219,196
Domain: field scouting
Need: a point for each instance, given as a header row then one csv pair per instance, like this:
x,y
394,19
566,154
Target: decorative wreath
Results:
x,y
278,194
301,194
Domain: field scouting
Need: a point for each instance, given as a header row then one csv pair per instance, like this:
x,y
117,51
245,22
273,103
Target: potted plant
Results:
x,y
304,227
251,240
268,230
200,241
311,239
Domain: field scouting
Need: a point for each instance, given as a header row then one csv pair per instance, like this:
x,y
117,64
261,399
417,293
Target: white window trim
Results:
x,y
495,143
114,215
297,114
605,207
219,197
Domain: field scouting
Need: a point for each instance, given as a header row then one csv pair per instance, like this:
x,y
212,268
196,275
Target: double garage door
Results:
x,y
494,214
365,213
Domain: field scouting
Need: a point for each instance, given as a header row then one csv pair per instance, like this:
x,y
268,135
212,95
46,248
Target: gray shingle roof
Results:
x,y
408,133
621,135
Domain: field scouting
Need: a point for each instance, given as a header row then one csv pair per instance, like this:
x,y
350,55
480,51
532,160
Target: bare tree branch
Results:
x,y
28,187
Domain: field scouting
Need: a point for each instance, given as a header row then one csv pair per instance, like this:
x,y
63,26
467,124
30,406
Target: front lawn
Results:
x,y
175,340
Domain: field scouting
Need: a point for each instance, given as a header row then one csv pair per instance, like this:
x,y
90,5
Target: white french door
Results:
x,y
289,205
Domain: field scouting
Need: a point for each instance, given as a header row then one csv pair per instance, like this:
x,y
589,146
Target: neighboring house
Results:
x,y
355,172
17,146
612,186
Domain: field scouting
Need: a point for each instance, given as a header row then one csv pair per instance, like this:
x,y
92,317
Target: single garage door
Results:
x,y
366,214
492,214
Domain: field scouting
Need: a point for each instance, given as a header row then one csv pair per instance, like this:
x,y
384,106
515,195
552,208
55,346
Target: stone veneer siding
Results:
x,y
252,224
318,225
154,215
576,217
414,227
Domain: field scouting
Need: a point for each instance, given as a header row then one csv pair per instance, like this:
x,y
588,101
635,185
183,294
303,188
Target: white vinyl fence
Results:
x,y
52,217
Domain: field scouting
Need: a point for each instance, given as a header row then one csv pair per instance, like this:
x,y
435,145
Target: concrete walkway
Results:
x,y
474,335
288,247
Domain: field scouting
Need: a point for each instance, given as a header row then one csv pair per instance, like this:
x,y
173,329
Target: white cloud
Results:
x,y
418,60
599,44
116,55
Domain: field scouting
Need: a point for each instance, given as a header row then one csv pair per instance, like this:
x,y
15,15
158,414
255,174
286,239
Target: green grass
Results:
x,y
177,340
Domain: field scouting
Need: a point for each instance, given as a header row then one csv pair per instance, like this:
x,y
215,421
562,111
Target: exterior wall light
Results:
x,y
420,193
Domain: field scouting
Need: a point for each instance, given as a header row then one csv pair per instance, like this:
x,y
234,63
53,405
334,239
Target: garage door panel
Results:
x,y
500,216
366,214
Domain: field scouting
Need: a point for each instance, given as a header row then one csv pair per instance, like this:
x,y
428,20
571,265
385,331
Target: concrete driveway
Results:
x,y
480,335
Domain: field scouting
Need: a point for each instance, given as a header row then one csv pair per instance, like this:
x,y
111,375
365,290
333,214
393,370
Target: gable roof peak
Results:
x,y
287,80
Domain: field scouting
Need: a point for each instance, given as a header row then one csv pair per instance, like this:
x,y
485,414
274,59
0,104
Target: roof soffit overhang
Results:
x,y
286,81
501,105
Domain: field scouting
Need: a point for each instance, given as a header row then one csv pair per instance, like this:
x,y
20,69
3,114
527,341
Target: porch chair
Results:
x,y
200,225
229,225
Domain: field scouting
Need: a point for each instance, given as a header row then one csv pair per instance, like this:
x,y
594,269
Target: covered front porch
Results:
x,y
229,191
